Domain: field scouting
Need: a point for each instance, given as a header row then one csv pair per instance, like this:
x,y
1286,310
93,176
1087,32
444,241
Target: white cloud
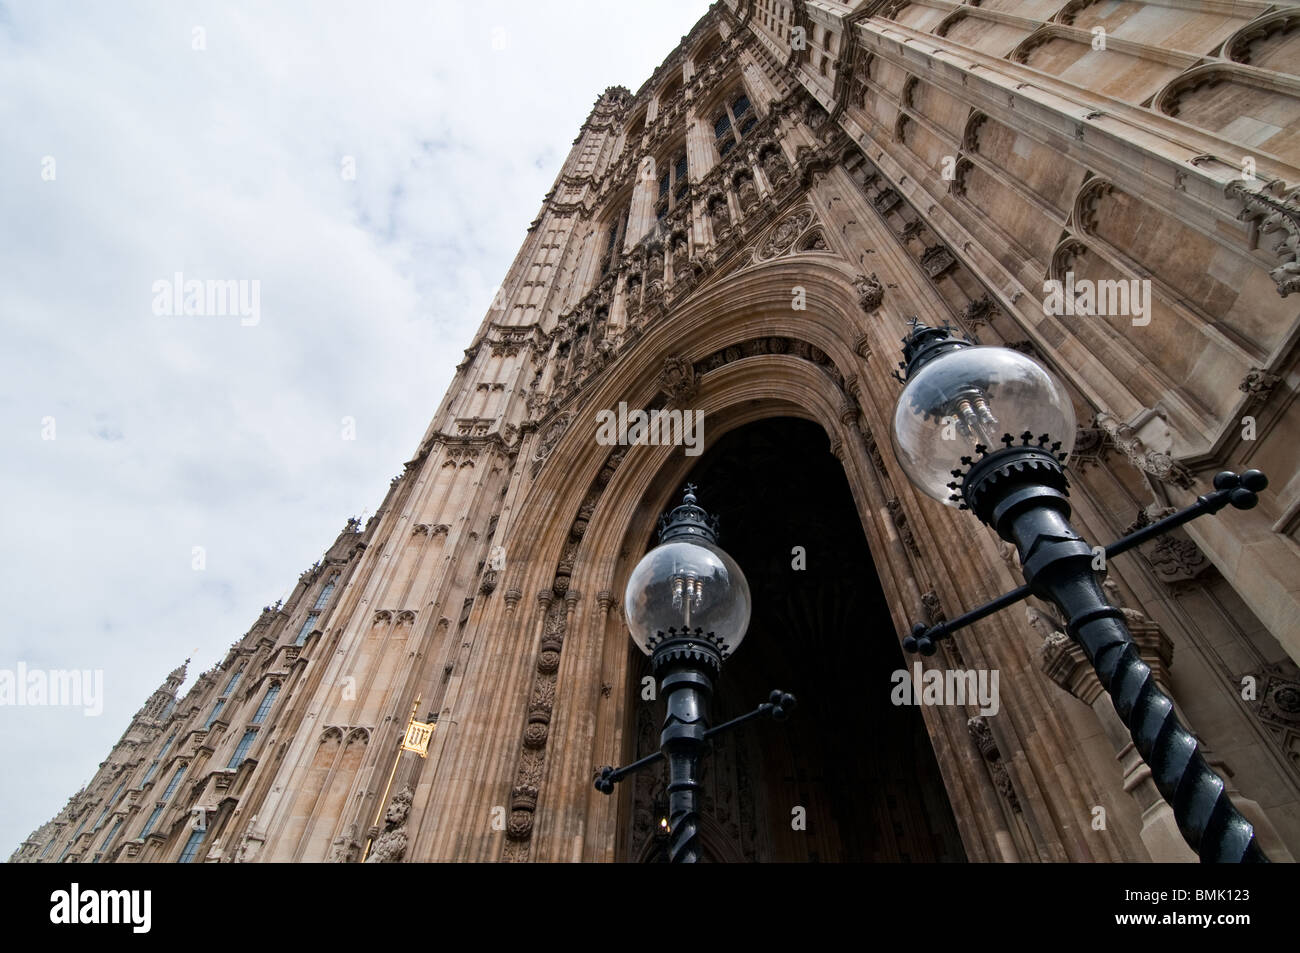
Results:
x,y
224,163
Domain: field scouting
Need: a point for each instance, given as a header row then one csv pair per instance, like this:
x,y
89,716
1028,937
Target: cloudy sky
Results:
x,y
138,141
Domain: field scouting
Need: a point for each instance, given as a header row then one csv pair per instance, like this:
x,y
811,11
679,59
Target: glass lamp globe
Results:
x,y
972,397
687,583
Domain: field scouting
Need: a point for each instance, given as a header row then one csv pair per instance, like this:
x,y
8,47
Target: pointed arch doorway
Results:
x,y
851,777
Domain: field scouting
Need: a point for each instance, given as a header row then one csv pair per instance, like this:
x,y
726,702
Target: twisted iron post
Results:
x,y
1021,493
685,664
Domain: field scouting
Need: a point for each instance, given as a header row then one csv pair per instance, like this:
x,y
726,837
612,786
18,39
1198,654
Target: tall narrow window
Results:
x,y
108,806
233,678
617,236
216,710
157,811
148,825
308,624
267,701
117,825
325,592
241,751
673,186
733,123
191,847
171,785
158,760
75,835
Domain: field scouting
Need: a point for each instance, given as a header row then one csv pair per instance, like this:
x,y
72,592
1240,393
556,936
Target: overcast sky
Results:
x,y
142,140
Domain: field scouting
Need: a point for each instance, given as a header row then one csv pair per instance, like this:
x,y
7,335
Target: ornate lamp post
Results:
x,y
988,429
687,605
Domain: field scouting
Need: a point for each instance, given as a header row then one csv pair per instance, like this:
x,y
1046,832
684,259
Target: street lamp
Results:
x,y
687,605
988,429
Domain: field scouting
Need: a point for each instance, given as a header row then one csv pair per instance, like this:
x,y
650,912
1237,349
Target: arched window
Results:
x,y
635,128
706,51
108,806
674,185
669,91
325,592
267,701
308,626
191,846
233,678
158,760
732,122
117,825
75,835
615,236
241,751
157,811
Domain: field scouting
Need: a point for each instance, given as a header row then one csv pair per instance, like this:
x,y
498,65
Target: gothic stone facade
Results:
x,y
883,159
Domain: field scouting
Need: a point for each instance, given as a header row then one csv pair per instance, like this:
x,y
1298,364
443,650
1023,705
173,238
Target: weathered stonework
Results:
x,y
938,160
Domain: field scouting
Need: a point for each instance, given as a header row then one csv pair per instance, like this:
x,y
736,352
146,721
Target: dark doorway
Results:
x,y
861,769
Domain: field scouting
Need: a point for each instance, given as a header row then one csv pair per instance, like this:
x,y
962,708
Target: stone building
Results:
x,y
747,236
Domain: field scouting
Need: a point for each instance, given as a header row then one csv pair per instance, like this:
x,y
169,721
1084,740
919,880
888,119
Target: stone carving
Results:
x,y
721,215
815,242
1175,559
1154,463
933,608
345,847
775,166
885,200
681,256
678,379
870,292
1173,556
550,437
937,259
1277,706
746,192
873,450
1272,208
982,735
1258,382
785,232
977,313
895,507
390,845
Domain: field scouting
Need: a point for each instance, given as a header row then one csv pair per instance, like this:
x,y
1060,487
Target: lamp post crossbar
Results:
x,y
779,706
922,638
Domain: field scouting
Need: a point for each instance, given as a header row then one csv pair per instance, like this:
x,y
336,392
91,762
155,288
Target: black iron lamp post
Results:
x,y
988,429
687,605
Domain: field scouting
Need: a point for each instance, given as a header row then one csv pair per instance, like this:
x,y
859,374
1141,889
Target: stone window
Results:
x,y
308,624
267,701
673,185
241,750
191,847
617,233
325,592
733,122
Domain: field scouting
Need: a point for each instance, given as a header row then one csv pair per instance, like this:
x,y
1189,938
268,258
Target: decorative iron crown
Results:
x,y
688,521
